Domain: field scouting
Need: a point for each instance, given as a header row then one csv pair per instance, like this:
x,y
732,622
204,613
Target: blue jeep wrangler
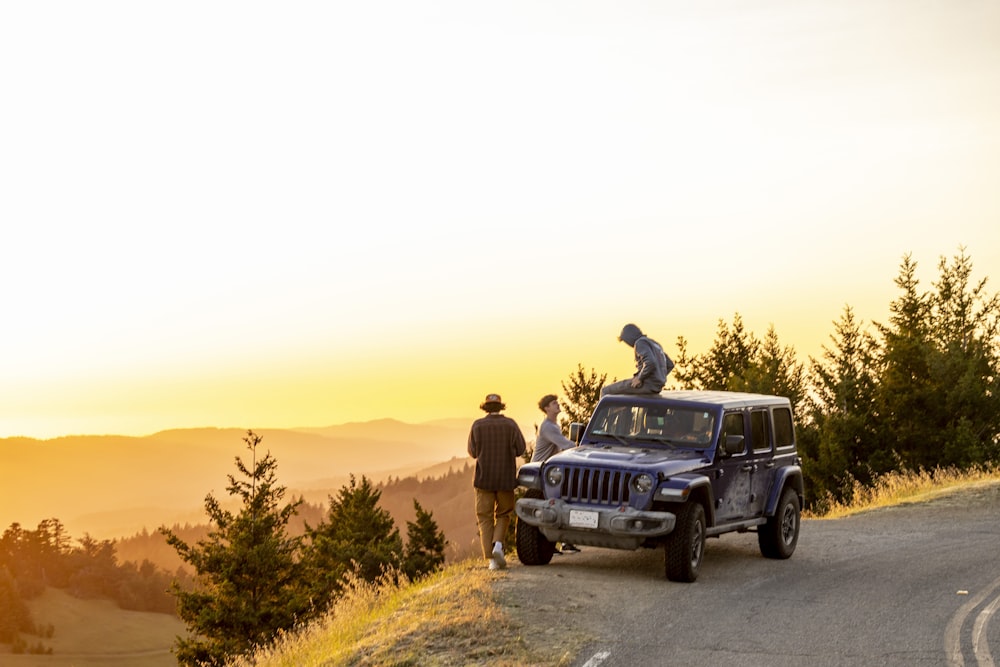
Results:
x,y
668,470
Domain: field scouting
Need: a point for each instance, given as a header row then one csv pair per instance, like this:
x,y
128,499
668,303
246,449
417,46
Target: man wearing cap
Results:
x,y
495,441
651,365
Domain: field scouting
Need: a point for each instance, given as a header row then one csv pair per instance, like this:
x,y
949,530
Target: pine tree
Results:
x,y
424,544
739,361
725,365
250,584
356,536
581,396
906,390
837,432
774,371
965,365
16,617
684,374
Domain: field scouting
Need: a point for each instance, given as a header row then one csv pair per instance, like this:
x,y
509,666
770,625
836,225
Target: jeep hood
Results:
x,y
666,461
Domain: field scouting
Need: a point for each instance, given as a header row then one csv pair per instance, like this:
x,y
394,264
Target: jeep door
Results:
x,y
761,458
733,473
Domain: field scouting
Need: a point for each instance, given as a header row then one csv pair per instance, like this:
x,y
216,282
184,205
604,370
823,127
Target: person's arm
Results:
x,y
520,446
473,445
554,435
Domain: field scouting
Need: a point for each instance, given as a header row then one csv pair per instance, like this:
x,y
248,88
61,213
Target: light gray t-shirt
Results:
x,y
549,441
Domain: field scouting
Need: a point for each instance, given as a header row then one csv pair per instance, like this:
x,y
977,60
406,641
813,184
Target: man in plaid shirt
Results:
x,y
495,441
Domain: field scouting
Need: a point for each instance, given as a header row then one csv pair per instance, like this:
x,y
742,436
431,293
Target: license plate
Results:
x,y
581,519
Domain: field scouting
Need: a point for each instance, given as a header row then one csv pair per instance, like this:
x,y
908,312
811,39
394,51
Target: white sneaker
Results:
x,y
493,564
499,557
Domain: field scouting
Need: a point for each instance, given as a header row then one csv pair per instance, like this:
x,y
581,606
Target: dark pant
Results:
x,y
625,387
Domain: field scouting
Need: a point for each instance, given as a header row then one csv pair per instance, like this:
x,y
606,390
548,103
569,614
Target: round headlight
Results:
x,y
642,483
554,476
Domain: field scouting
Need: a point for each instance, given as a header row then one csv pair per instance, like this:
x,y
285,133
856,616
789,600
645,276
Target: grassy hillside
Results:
x,y
441,621
90,633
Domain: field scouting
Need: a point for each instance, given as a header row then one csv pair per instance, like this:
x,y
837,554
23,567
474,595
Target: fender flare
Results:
x,y
530,476
682,488
786,476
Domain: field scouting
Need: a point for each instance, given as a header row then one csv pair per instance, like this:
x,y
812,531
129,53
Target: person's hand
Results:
x,y
636,382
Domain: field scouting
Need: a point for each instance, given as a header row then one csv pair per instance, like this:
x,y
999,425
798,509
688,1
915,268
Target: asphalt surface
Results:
x,y
912,585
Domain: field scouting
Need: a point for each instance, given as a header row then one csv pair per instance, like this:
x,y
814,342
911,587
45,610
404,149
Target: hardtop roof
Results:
x,y
724,399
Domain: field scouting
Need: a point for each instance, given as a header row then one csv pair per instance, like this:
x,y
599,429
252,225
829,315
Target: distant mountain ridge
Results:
x,y
96,478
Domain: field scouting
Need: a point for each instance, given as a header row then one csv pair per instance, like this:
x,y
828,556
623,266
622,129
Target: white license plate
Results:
x,y
581,519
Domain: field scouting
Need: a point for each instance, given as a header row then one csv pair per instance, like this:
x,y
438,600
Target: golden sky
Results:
x,y
280,215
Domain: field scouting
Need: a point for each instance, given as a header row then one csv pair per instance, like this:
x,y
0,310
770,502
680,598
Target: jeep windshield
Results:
x,y
651,425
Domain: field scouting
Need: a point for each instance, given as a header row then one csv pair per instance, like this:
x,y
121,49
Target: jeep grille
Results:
x,y
596,486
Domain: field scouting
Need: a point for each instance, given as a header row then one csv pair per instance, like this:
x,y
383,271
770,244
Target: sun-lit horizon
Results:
x,y
296,216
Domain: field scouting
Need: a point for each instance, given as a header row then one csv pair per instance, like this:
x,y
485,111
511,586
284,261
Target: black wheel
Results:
x,y
532,547
778,537
685,547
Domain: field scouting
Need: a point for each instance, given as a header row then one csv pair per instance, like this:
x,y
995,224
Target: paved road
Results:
x,y
908,586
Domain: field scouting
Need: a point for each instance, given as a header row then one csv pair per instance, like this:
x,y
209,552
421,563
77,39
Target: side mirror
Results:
x,y
733,444
576,432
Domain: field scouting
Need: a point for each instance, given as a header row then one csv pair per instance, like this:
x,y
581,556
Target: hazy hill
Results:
x,y
444,489
111,486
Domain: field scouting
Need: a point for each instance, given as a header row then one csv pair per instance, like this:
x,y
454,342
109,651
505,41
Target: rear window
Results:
x,y
784,436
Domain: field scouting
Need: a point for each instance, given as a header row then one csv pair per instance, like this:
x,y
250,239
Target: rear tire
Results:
x,y
778,537
532,547
685,547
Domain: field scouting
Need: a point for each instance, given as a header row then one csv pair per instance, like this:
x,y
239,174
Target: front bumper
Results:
x,y
619,527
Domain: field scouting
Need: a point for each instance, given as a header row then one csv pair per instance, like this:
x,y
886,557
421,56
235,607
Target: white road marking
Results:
x,y
980,643
953,633
597,659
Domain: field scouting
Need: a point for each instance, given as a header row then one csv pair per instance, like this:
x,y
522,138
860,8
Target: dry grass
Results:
x,y
899,488
450,618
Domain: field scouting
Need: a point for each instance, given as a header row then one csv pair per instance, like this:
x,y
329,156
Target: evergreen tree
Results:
x,y
356,536
95,569
906,390
739,361
250,584
685,372
775,370
724,367
16,617
424,544
582,392
965,322
37,558
837,434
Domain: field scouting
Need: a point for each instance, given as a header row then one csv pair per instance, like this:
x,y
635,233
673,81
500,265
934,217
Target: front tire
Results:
x,y
532,547
778,537
685,547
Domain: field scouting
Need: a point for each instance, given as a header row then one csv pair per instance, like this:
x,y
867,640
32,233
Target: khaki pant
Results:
x,y
493,509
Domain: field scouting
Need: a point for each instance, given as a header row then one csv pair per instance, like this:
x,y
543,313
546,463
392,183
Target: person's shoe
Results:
x,y
499,557
569,548
493,564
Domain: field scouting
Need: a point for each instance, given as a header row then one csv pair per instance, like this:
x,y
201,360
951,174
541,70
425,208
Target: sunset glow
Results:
x,y
275,215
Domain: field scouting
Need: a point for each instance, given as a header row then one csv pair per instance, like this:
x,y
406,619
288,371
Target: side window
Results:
x,y
732,424
760,433
783,434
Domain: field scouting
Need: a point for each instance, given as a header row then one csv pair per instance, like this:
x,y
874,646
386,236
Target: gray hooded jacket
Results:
x,y
651,363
